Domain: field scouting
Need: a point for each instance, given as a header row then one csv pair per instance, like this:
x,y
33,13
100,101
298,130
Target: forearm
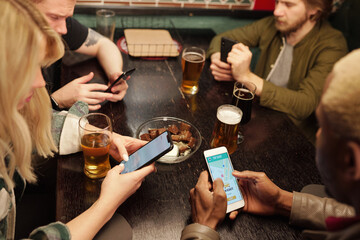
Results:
x,y
109,57
86,225
298,104
284,203
258,81
310,211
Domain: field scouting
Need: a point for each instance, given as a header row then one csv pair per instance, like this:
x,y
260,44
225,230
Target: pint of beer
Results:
x,y
226,127
192,61
95,131
243,95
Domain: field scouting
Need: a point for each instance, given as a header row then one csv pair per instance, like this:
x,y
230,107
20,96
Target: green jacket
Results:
x,y
313,59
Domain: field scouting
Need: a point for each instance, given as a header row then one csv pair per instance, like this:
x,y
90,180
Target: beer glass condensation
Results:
x,y
95,130
226,127
192,62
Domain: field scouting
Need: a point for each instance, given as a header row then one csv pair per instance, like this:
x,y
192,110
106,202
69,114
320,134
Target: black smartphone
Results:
x,y
124,75
149,153
226,45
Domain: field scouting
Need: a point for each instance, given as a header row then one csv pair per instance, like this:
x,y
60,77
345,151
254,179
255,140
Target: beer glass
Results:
x,y
105,23
95,130
243,95
192,62
226,127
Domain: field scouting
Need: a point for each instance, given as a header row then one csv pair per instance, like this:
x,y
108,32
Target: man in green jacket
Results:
x,y
337,159
298,49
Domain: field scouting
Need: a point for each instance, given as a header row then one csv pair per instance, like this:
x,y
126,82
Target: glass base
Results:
x,y
240,138
190,91
98,173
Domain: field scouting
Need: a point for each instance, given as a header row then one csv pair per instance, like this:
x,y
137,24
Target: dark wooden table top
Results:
x,y
160,208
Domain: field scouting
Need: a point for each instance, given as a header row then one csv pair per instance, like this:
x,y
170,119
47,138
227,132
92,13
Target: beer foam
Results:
x,y
194,57
243,93
229,114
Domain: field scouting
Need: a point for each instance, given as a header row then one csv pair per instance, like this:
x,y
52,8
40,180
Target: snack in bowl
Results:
x,y
185,136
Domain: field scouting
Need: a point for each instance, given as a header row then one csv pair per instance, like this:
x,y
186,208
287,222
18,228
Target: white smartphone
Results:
x,y
220,166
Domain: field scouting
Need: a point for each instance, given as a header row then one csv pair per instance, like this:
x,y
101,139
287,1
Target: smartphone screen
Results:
x,y
219,164
149,153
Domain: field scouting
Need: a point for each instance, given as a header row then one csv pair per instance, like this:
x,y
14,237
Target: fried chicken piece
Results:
x,y
175,138
145,137
185,135
184,126
173,129
161,130
192,142
182,147
153,133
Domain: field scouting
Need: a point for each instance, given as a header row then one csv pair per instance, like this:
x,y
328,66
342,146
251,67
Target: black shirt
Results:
x,y
73,39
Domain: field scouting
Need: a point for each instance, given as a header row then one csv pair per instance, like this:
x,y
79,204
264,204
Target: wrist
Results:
x,y
251,77
103,210
54,103
114,75
59,97
284,203
210,224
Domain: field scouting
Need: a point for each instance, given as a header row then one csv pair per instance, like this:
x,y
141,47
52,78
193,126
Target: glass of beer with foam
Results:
x,y
95,131
226,127
192,62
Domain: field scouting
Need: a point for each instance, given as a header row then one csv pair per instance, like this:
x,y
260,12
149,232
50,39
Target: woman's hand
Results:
x,y
122,146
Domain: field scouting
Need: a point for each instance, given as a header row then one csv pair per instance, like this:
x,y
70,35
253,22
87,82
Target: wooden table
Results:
x,y
160,208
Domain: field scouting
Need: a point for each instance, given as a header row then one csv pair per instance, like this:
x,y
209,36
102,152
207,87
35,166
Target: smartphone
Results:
x,y
124,75
220,166
149,153
226,45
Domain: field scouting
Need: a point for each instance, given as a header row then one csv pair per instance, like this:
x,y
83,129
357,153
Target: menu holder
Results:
x,y
150,43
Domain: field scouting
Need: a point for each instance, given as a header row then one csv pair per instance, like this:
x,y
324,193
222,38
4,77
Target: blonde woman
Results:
x,y
28,44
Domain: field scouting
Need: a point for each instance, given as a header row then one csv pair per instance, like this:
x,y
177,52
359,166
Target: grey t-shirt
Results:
x,y
280,73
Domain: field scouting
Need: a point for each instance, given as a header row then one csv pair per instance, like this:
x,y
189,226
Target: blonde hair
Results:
x,y
341,100
24,30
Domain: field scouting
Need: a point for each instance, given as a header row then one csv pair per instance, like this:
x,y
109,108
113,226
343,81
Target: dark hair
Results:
x,y
323,7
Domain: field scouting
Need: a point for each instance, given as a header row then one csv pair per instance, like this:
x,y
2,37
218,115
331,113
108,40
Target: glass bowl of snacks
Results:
x,y
186,137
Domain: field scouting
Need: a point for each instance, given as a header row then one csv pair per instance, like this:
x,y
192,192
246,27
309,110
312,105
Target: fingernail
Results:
x,y
121,164
125,157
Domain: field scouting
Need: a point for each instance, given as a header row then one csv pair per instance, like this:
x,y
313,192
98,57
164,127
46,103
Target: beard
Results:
x,y
286,30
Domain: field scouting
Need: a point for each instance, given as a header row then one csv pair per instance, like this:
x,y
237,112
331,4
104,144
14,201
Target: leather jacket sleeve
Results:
x,y
197,231
309,211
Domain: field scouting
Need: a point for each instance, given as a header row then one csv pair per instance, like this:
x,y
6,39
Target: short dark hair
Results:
x,y
323,6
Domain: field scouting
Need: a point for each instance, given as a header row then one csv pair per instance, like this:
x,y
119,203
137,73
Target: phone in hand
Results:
x,y
149,153
220,166
124,75
226,45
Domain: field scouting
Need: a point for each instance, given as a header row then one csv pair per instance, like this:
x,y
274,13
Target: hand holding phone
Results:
x,y
124,75
226,45
149,153
220,166
208,204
